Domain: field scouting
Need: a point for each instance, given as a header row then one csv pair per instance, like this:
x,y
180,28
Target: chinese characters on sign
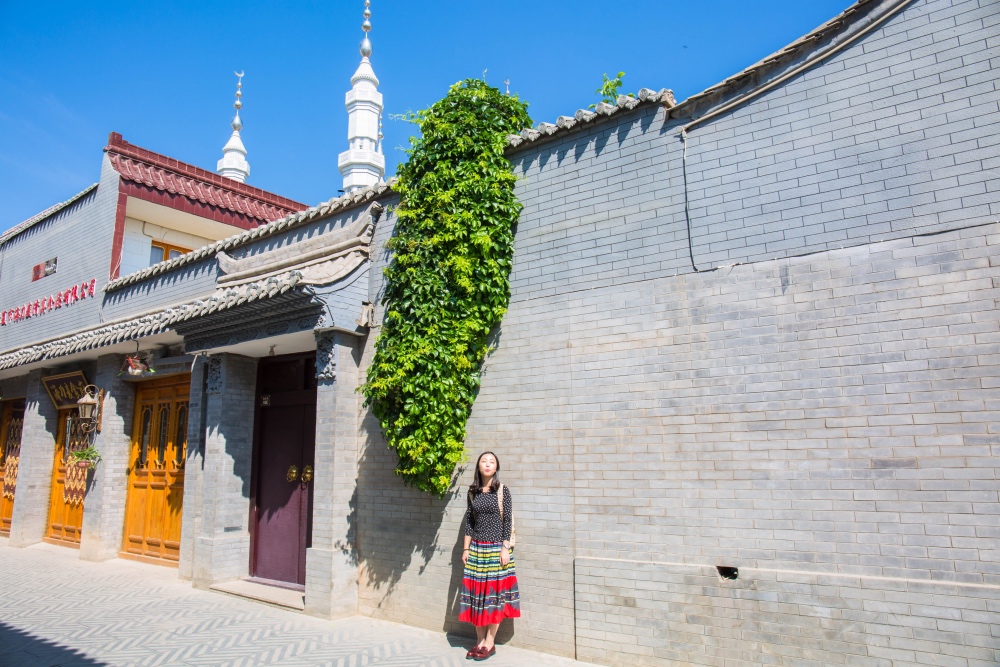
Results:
x,y
65,390
47,303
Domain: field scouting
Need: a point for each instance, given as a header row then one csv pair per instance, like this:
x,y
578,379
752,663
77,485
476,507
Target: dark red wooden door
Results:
x,y
286,442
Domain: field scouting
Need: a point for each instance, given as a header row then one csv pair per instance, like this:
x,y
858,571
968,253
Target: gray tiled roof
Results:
x,y
38,217
666,97
584,116
288,222
153,322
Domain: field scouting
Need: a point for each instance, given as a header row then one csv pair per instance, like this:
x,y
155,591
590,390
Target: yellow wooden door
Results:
x,y
11,426
156,471
65,519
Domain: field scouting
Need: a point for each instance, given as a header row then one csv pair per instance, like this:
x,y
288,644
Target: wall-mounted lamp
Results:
x,y
89,407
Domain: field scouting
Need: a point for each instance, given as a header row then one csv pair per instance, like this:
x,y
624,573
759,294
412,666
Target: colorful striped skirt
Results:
x,y
489,589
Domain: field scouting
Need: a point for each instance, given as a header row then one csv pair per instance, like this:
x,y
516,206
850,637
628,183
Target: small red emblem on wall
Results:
x,y
46,268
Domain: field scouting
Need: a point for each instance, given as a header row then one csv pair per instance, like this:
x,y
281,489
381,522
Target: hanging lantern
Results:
x,y
89,408
87,404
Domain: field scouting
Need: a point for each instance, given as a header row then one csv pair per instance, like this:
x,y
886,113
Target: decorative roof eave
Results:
x,y
584,117
38,217
152,322
835,25
342,203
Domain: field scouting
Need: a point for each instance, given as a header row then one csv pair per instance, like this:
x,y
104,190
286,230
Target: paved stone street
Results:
x,y
58,610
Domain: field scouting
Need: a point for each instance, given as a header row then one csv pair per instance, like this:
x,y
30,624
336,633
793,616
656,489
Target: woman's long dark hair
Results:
x,y
477,481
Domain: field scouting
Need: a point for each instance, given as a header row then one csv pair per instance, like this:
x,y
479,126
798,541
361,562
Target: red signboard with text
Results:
x,y
47,303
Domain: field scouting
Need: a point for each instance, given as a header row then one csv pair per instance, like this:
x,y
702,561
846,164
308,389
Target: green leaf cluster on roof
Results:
x,y
448,284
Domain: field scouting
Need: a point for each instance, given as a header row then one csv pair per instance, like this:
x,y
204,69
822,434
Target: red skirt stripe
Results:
x,y
489,588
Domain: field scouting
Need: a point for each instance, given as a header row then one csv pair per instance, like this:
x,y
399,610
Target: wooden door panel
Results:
x,y
11,428
156,471
285,437
65,520
279,501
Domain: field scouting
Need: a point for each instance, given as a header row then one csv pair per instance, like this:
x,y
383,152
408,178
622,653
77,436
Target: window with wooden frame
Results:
x,y
161,252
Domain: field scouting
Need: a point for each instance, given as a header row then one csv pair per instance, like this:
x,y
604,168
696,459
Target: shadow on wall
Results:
x,y
401,522
402,528
239,372
22,648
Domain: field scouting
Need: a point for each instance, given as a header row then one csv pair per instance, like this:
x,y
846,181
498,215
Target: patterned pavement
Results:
x,y
56,610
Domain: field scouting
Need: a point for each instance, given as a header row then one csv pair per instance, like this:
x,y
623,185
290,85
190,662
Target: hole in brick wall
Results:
x,y
728,572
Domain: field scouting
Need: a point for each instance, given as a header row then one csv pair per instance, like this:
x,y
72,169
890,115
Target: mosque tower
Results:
x,y
234,163
363,163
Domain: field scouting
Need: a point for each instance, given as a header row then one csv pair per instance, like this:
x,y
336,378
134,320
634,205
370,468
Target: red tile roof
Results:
x,y
159,172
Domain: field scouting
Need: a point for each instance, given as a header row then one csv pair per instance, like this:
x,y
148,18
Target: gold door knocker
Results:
x,y
292,474
307,474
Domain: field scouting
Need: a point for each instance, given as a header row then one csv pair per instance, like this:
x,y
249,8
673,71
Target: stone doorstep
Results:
x,y
272,595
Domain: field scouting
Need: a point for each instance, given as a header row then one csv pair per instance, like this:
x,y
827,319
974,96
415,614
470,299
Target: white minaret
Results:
x,y
234,163
363,163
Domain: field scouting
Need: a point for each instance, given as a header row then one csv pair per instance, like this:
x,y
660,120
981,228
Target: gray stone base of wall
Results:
x,y
331,584
646,613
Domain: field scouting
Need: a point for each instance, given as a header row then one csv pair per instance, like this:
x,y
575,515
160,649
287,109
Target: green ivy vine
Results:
x,y
448,284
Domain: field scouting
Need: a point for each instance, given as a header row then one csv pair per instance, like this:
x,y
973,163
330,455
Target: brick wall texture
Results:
x,y
80,237
819,410
104,517
815,404
215,530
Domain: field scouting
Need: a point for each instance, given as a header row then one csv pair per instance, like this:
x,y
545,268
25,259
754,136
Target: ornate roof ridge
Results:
x,y
585,116
665,97
343,202
38,217
118,145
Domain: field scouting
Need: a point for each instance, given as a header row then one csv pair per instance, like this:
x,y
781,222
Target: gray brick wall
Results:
x,y
29,521
81,237
662,613
819,411
825,414
890,137
194,466
14,387
104,510
332,559
343,299
887,138
221,539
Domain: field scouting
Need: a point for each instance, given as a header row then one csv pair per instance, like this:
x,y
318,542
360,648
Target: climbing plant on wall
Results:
x,y
448,284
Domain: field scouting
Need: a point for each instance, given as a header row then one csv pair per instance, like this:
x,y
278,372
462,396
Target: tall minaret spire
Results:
x,y
363,163
234,163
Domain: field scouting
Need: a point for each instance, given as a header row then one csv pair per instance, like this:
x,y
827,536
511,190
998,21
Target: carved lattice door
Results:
x,y
65,519
11,427
156,471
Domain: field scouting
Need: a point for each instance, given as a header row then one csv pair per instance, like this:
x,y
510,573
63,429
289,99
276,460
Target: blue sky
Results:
x,y
162,74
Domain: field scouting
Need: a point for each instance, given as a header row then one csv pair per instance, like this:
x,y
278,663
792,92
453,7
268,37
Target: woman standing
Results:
x,y
489,586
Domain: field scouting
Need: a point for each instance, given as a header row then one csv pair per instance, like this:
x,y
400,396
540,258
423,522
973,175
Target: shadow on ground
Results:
x,y
22,649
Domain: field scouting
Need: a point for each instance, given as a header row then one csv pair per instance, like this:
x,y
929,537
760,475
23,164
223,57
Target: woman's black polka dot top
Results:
x,y
482,519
